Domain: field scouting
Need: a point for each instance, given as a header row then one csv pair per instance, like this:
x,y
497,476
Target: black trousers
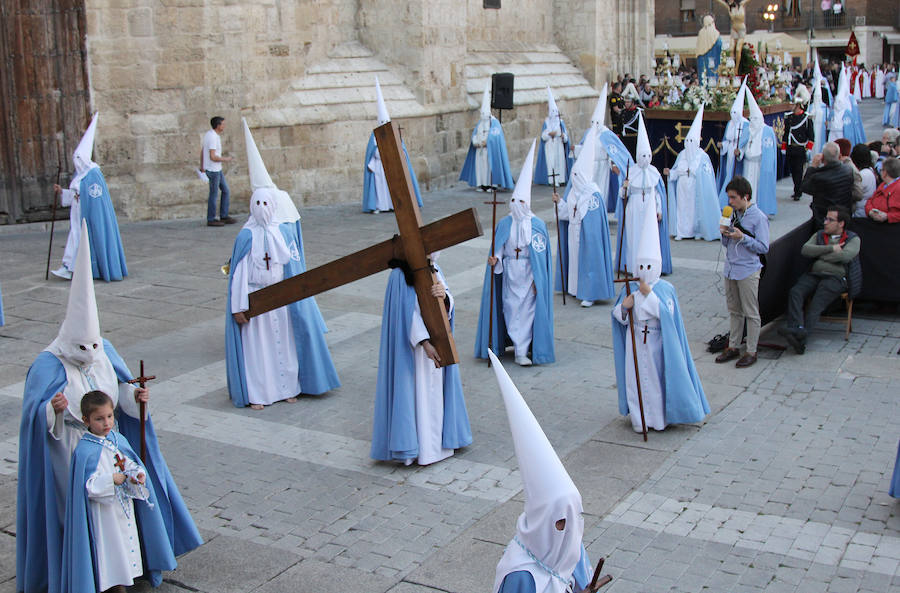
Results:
x,y
824,289
794,159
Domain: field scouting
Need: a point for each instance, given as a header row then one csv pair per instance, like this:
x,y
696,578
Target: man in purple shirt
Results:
x,y
745,239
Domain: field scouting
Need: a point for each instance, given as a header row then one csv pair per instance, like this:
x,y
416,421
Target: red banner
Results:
x,y
852,46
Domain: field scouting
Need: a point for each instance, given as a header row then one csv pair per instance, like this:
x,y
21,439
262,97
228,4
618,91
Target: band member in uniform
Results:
x,y
799,137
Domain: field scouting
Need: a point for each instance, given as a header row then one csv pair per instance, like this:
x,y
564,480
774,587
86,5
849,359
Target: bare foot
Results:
x,y
291,400
256,406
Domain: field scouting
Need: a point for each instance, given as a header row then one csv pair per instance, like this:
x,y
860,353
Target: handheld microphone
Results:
x,y
726,216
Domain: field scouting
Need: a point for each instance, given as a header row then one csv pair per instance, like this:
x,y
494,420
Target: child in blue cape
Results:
x,y
111,513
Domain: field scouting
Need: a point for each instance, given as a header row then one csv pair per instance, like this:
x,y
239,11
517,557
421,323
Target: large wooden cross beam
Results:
x,y
413,245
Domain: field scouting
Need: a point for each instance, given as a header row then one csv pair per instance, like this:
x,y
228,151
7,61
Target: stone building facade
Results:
x,y
302,74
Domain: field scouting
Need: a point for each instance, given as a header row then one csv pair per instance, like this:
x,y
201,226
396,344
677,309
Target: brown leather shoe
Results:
x,y
229,220
728,354
215,223
746,361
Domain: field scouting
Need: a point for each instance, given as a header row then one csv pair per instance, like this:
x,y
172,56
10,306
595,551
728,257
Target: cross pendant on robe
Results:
x,y
267,259
517,250
120,462
645,331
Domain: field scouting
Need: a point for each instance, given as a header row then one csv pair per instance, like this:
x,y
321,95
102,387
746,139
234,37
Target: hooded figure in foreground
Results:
x,y
521,273
670,386
546,555
487,162
280,354
88,199
693,199
420,412
77,361
376,196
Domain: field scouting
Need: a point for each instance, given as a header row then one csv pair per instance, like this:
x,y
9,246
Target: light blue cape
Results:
x,y
498,159
107,255
394,434
684,400
706,201
39,532
370,198
521,581
542,269
79,574
541,174
895,481
768,165
595,266
317,372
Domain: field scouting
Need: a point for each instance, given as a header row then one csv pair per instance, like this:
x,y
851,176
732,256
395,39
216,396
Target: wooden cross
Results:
x,y
553,176
120,463
412,245
517,250
267,259
142,381
645,331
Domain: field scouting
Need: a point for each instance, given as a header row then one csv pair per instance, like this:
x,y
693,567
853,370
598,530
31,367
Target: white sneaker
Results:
x,y
523,361
376,211
587,303
63,273
408,462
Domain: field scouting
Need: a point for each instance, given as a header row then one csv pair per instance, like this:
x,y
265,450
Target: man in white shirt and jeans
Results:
x,y
211,160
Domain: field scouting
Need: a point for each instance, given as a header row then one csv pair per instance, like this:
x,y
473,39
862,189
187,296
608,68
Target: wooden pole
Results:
x,y
493,204
637,374
621,245
53,211
562,277
597,582
142,382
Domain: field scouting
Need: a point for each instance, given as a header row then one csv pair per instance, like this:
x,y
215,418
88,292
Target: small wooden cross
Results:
x,y
553,176
142,382
267,259
517,250
414,243
645,331
120,463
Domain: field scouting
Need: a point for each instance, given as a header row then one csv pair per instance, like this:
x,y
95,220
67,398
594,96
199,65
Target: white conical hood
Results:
x,y
598,119
486,101
648,259
643,153
85,150
550,494
383,116
737,108
262,185
79,335
259,176
692,140
521,195
756,114
552,112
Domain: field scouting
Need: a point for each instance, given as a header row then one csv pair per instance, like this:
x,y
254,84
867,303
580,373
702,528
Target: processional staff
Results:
x,y
493,204
142,382
53,212
562,276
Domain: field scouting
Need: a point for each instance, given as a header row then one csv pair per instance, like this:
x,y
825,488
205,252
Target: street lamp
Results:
x,y
769,15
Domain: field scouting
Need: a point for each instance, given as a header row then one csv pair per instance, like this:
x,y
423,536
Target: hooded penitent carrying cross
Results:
x,y
412,245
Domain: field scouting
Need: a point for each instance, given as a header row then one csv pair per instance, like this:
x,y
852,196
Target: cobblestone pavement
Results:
x,y
782,489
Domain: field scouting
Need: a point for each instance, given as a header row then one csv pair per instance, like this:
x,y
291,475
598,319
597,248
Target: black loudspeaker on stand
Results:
x,y
502,90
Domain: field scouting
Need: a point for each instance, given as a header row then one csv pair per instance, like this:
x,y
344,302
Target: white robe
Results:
x,y
642,194
382,195
65,428
117,549
555,152
602,167
429,392
67,198
867,85
879,84
270,355
752,157
482,163
685,172
519,300
650,362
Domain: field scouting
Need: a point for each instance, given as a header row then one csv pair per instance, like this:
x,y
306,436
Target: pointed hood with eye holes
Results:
x,y
553,123
78,341
643,152
383,116
520,202
598,119
285,210
550,495
486,101
649,257
692,140
84,153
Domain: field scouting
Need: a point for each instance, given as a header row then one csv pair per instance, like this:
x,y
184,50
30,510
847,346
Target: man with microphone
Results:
x,y
745,235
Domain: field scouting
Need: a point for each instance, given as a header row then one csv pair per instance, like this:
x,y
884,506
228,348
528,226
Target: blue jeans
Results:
x,y
217,182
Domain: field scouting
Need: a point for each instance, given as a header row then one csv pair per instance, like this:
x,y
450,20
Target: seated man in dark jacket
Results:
x,y
829,181
832,250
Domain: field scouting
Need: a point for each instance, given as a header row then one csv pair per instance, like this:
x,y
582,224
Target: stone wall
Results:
x,y
159,69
